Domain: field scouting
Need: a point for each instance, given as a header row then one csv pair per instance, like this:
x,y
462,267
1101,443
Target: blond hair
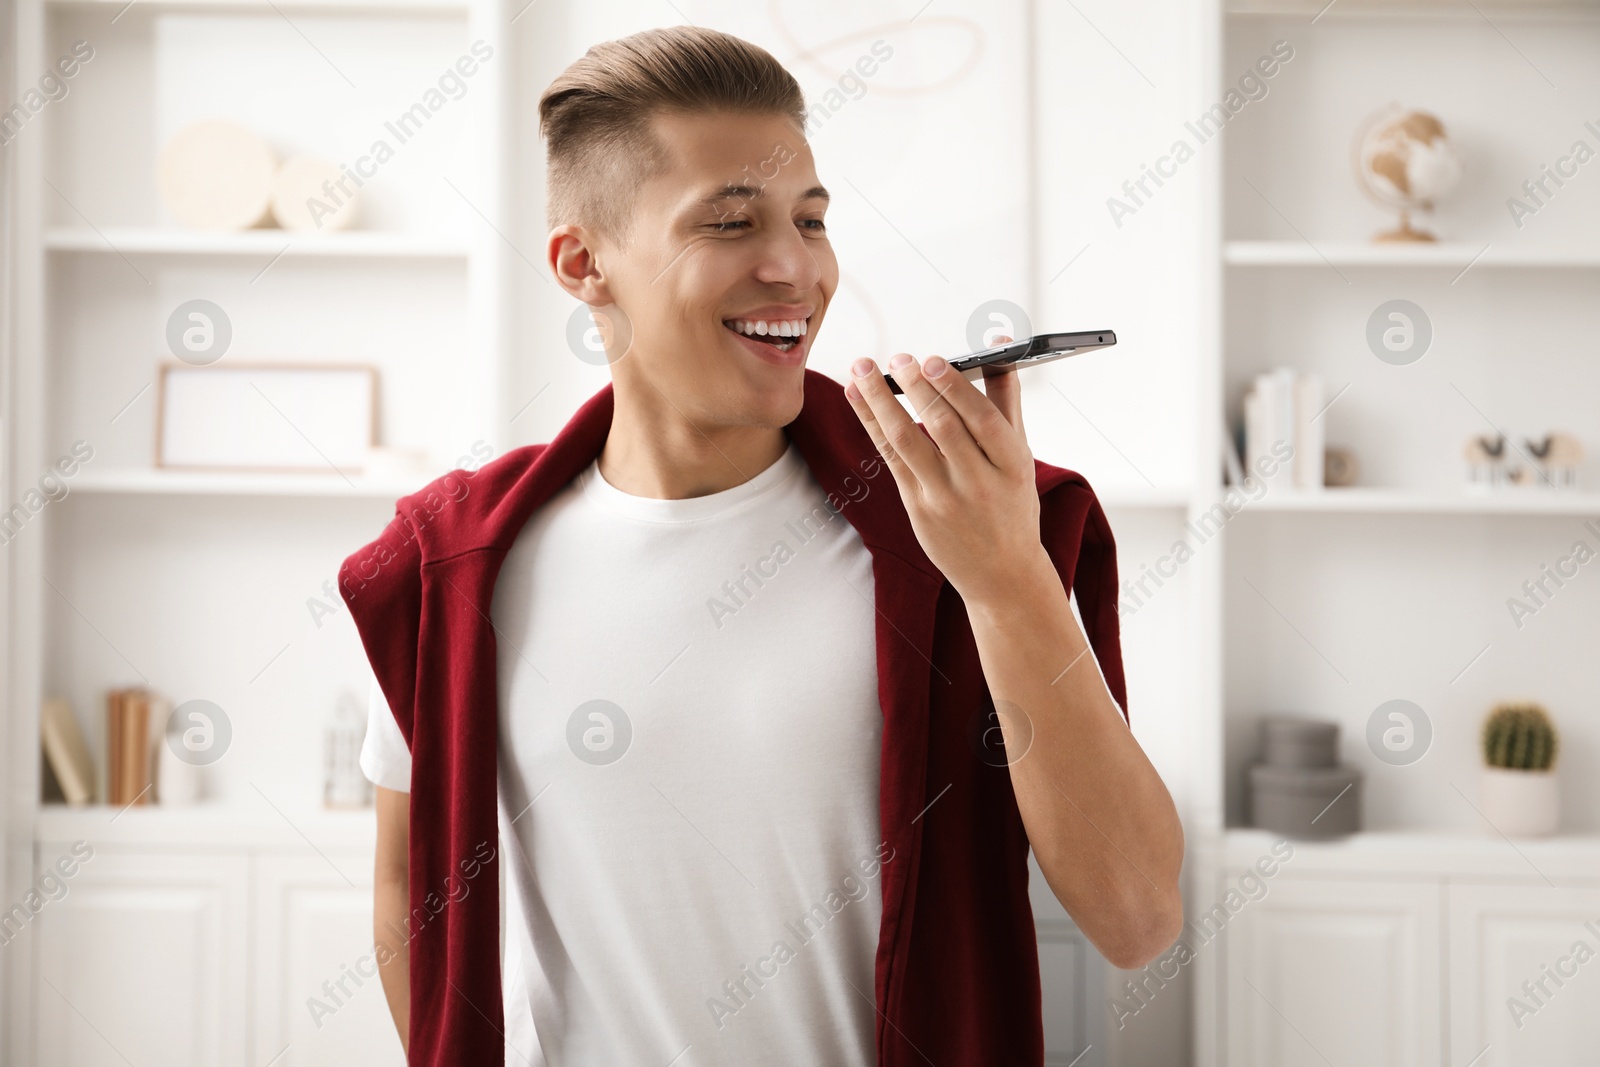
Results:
x,y
595,117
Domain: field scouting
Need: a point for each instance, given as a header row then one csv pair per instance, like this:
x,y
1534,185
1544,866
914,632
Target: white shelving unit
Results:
x,y
250,893
185,483
371,8
1400,945
1402,256
1403,502
267,243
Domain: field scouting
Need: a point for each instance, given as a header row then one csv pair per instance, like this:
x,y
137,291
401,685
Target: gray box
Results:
x,y
1290,742
1306,802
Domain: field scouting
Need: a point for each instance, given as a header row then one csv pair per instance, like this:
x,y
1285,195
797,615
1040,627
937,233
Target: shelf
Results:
x,y
270,243
222,483
1402,501
1363,254
1376,854
198,483
239,824
1410,9
397,8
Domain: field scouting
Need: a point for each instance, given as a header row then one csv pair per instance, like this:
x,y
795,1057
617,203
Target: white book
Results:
x,y
1269,425
1309,437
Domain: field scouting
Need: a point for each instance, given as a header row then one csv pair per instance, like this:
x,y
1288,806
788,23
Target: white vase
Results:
x,y
1521,803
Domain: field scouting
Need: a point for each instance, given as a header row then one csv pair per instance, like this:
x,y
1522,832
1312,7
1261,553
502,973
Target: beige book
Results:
x,y
65,749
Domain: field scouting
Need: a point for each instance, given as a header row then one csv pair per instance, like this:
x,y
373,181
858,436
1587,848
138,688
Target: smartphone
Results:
x,y
1028,352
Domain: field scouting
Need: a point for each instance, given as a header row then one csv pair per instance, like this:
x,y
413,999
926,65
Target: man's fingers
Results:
x,y
1004,390
983,419
942,418
909,453
1002,387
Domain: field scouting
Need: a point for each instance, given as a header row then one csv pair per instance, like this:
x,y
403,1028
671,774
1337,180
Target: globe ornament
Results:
x,y
1406,162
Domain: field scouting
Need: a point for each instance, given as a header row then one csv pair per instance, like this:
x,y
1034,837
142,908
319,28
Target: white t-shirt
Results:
x,y
689,754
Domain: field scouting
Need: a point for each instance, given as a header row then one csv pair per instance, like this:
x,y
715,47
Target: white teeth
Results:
x,y
795,328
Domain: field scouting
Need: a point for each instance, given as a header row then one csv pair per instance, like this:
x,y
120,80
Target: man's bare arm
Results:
x,y
391,906
1101,822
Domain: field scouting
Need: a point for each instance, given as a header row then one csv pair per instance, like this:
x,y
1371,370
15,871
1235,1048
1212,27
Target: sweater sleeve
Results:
x,y
1077,537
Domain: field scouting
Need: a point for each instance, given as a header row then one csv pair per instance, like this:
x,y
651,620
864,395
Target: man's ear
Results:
x,y
571,252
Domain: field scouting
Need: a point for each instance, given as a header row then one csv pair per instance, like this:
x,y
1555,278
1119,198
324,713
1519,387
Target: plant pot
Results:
x,y
1521,803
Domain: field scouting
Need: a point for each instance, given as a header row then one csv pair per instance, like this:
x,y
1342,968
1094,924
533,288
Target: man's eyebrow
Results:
x,y
754,192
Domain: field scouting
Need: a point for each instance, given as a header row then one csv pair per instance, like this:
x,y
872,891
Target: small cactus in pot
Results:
x,y
1519,736
1520,793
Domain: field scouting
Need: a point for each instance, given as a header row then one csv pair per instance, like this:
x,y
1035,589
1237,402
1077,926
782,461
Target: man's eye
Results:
x,y
816,225
724,227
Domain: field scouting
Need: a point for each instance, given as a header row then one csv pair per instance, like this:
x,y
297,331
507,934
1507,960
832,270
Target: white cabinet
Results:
x,y
1334,971
318,998
1502,936
144,961
1072,977
1409,949
211,937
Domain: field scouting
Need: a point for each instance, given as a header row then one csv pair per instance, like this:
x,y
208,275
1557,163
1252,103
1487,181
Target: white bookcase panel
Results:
x,y
246,622
1329,616
1498,91
1513,350
317,84
409,320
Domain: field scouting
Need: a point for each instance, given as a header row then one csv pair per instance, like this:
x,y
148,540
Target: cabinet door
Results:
x,y
1071,979
318,996
1502,936
1330,971
143,961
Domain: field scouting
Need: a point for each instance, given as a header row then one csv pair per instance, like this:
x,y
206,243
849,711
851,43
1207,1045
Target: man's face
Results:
x,y
727,274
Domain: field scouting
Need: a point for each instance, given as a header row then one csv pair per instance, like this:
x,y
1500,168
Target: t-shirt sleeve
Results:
x,y
385,758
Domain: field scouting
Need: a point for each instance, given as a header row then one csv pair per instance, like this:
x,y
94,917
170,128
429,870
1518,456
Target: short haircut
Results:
x,y
595,117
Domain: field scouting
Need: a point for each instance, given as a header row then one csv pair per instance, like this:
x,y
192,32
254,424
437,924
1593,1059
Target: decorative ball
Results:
x,y
216,175
306,197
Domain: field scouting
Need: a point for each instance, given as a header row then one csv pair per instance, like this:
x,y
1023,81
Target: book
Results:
x,y
1283,408
113,746
128,749
1309,442
65,749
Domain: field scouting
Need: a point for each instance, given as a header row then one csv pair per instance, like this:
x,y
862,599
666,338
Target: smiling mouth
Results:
x,y
781,335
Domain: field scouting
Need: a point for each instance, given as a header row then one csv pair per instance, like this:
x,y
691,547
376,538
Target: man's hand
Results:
x,y
970,491
1098,817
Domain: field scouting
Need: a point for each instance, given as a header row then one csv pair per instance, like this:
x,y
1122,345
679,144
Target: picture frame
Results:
x,y
284,418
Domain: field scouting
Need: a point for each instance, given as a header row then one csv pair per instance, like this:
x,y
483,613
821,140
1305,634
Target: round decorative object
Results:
x,y
216,175
1339,468
306,197
1405,161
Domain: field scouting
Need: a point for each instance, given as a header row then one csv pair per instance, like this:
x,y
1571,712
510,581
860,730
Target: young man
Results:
x,y
756,690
